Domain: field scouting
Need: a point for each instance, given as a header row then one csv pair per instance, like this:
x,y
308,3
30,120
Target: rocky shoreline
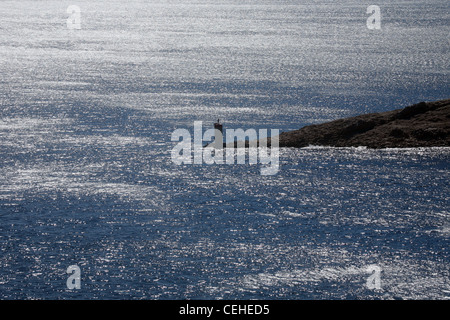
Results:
x,y
426,124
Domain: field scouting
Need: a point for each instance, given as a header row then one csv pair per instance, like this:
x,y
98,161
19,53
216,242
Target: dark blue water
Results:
x,y
86,176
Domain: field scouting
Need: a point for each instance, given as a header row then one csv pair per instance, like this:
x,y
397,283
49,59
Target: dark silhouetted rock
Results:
x,y
420,125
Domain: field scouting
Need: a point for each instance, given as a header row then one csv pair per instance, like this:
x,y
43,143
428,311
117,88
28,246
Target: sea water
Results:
x,y
86,177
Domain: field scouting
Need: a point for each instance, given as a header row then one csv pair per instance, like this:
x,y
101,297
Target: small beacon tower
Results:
x,y
218,135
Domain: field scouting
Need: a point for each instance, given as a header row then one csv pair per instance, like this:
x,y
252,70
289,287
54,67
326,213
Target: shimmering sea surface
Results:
x,y
86,177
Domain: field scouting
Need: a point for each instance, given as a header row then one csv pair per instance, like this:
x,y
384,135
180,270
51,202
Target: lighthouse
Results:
x,y
218,126
218,135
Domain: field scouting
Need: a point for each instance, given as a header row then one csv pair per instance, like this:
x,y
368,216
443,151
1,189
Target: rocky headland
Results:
x,y
426,124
